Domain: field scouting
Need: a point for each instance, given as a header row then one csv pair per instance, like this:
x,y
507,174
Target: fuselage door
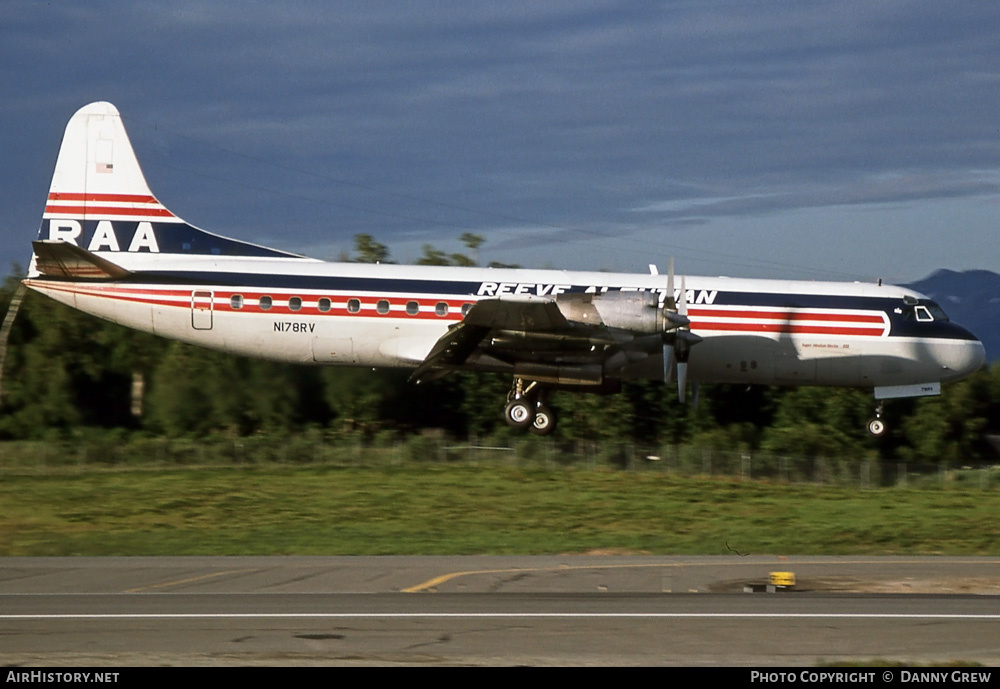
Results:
x,y
333,350
201,310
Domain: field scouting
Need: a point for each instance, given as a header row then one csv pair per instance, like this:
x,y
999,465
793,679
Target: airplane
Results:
x,y
108,247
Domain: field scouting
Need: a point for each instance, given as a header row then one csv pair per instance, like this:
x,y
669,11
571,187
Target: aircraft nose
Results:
x,y
976,357
965,359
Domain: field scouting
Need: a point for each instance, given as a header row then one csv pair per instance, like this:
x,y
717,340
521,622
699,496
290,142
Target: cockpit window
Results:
x,y
925,312
936,311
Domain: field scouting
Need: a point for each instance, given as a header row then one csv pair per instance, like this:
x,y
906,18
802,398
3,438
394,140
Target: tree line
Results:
x,y
66,372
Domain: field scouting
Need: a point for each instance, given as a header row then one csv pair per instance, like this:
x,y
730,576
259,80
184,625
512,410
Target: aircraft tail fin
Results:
x,y
97,177
99,199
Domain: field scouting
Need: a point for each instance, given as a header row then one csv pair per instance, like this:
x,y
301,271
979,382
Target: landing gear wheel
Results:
x,y
520,413
876,427
545,421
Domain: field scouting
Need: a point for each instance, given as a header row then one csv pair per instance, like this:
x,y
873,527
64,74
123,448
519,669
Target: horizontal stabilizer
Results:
x,y
58,259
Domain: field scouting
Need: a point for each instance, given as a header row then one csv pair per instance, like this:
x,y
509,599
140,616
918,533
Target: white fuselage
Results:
x,y
313,312
109,247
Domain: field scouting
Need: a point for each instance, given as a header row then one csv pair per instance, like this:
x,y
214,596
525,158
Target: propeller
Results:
x,y
677,337
682,347
669,307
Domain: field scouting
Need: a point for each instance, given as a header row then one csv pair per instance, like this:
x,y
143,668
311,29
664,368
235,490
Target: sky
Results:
x,y
806,140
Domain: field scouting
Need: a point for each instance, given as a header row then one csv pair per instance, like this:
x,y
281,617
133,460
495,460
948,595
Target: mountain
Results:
x,y
972,298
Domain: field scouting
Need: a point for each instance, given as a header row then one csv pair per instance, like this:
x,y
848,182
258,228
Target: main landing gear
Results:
x,y
526,409
876,426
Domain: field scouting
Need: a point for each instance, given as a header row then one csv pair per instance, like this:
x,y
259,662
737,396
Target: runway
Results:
x,y
551,610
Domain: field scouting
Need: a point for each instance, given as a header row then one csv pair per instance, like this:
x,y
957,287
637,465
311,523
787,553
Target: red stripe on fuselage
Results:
x,y
788,315
221,301
702,326
137,296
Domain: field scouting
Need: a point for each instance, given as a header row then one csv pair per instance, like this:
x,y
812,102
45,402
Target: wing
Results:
x,y
534,336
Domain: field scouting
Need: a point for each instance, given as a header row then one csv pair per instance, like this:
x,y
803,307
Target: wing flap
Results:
x,y
541,315
487,316
451,350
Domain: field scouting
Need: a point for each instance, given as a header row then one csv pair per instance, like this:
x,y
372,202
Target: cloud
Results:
x,y
561,122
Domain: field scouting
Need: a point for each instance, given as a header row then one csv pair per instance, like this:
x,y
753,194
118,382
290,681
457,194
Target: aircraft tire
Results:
x,y
876,427
545,421
519,413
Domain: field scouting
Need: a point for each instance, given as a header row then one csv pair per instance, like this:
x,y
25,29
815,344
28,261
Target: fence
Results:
x,y
319,448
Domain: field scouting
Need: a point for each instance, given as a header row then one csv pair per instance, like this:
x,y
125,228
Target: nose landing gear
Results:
x,y
876,426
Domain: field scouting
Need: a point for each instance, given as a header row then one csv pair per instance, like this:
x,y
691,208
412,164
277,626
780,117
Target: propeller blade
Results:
x,y
668,300
686,338
668,362
671,323
682,307
682,374
677,320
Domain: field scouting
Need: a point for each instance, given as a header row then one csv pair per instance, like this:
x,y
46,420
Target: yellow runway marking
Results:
x,y
189,580
436,581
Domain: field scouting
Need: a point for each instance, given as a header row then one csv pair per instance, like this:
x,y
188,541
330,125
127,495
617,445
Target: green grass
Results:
x,y
448,509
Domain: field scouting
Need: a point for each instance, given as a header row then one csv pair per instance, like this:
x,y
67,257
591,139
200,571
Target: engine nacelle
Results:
x,y
637,312
552,374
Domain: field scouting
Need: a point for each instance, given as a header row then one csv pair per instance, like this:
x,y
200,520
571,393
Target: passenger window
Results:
x,y
294,304
412,308
465,309
382,306
353,305
236,301
264,303
441,308
324,304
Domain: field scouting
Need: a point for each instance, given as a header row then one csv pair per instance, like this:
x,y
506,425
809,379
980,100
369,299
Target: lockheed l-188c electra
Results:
x,y
108,247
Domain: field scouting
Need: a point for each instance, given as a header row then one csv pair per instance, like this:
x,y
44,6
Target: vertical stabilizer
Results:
x,y
99,201
97,175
